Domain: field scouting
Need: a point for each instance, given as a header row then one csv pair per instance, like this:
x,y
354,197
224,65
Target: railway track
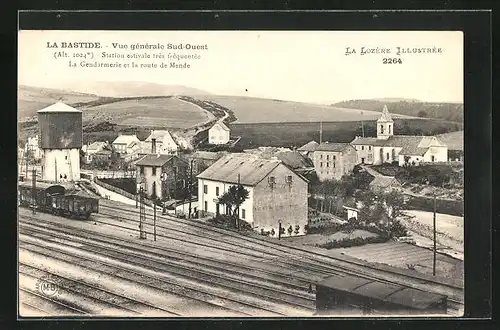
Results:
x,y
115,304
249,247
271,288
348,265
258,306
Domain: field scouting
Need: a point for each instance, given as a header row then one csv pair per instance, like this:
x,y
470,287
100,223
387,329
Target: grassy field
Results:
x,y
454,140
32,99
298,134
256,110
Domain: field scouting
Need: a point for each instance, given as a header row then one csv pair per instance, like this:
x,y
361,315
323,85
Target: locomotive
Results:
x,y
59,199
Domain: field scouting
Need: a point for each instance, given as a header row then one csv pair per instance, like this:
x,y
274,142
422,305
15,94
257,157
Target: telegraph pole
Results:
x,y
320,132
434,230
142,214
190,187
279,229
175,190
33,192
362,125
154,221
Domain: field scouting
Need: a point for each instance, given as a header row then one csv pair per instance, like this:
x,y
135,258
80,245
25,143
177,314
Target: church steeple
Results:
x,y
385,125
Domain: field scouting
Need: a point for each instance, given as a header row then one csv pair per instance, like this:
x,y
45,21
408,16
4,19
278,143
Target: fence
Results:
x,y
109,174
122,192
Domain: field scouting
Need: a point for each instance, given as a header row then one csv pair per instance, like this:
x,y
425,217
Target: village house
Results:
x,y
204,159
334,160
385,184
91,149
164,143
308,149
126,144
162,176
219,133
402,149
455,143
32,148
276,193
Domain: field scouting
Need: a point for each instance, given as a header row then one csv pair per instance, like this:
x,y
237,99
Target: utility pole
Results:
x,y
33,192
362,125
190,187
154,220
175,190
434,230
320,132
279,229
142,214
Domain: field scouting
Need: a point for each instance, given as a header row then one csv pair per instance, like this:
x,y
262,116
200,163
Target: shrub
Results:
x,y
297,229
290,230
350,242
272,232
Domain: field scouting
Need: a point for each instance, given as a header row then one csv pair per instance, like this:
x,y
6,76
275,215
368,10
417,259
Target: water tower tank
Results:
x,y
60,127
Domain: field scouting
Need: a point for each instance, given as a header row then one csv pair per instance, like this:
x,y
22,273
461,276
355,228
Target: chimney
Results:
x,y
153,146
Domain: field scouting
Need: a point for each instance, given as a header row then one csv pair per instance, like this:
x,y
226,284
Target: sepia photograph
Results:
x,y
174,174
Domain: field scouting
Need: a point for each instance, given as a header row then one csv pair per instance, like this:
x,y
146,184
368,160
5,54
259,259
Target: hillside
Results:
x,y
454,140
250,110
165,112
133,89
445,111
32,99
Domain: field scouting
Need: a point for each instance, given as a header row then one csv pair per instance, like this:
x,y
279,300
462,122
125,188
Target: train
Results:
x,y
355,295
59,199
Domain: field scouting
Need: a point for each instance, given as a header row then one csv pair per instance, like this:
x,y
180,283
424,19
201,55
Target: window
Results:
x,y
327,164
272,179
243,215
321,156
65,157
327,157
141,169
206,206
389,129
289,179
205,189
381,129
362,147
334,157
333,165
321,164
387,156
154,170
432,158
216,191
370,148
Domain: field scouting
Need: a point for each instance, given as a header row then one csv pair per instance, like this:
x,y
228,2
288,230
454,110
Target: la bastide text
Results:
x,y
87,54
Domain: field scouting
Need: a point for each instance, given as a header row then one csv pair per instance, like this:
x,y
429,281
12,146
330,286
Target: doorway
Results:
x,y
362,160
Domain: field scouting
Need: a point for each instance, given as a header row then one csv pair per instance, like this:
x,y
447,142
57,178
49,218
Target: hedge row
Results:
x,y
450,207
350,242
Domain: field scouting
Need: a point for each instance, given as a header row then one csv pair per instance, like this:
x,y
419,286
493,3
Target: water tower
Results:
x,y
61,140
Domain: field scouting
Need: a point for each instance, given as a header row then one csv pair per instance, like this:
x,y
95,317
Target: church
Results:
x,y
403,149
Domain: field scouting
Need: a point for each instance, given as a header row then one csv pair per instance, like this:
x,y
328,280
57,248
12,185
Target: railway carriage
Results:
x,y
58,199
354,295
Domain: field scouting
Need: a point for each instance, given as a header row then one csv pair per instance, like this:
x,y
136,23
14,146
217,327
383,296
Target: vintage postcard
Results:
x,y
240,173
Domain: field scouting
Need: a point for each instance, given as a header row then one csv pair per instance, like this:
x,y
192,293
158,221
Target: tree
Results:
x,y
422,114
290,230
297,229
233,198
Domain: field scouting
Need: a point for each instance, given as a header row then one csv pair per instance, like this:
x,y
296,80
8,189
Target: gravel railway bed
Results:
x,y
344,264
220,277
284,276
43,303
99,295
208,295
254,248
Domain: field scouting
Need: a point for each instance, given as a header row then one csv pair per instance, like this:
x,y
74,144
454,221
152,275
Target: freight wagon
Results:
x,y
59,199
354,295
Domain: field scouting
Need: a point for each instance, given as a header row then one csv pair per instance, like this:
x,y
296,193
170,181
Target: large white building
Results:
x,y
403,149
219,133
276,193
126,144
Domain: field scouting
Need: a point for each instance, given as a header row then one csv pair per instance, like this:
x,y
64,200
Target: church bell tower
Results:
x,y
385,125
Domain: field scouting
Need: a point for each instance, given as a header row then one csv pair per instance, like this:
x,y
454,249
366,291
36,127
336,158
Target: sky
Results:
x,y
304,66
